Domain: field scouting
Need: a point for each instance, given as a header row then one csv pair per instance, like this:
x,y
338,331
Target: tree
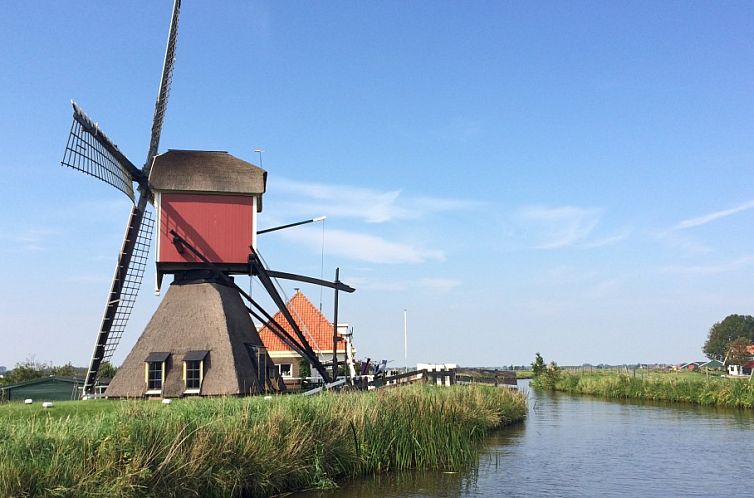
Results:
x,y
545,377
738,353
106,369
66,370
29,369
723,333
538,366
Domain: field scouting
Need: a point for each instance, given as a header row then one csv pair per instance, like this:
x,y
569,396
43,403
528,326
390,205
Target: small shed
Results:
x,y
44,389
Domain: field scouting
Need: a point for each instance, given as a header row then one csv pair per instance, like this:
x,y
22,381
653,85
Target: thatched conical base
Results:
x,y
199,317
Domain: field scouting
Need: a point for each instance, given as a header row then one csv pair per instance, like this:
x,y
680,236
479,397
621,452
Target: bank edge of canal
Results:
x,y
672,387
574,445
253,446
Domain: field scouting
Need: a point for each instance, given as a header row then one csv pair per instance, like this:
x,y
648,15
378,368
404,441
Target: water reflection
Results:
x,y
584,446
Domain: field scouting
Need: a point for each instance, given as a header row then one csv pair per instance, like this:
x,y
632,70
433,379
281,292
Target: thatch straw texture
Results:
x,y
195,317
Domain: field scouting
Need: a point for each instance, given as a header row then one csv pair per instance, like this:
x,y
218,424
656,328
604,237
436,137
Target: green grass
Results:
x,y
62,409
230,446
685,387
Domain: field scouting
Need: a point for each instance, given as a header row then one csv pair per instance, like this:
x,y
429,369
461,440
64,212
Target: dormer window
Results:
x,y
154,371
193,371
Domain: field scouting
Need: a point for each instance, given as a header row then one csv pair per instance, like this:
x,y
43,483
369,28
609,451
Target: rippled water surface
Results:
x,y
584,446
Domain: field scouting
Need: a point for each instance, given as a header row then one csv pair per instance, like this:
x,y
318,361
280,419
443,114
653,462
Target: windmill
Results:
x,y
206,203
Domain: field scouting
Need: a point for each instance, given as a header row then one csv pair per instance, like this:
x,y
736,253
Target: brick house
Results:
x,y
318,332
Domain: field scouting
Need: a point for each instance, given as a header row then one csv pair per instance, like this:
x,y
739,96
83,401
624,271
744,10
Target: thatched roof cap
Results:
x,y
206,171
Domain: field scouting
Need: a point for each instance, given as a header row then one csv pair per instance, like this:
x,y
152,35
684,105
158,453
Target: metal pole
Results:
x,y
335,330
289,225
405,343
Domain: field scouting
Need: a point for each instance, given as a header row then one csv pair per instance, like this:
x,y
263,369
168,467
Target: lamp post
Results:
x,y
405,343
259,151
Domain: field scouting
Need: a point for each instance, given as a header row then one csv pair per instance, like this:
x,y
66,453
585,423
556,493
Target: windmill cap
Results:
x,y
207,172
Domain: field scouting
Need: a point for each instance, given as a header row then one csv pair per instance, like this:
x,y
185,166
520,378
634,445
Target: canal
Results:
x,y
585,446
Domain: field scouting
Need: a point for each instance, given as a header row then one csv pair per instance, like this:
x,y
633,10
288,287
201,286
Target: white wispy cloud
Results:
x,y
579,283
34,239
713,269
560,227
374,284
609,240
716,215
435,284
370,205
439,284
678,240
365,247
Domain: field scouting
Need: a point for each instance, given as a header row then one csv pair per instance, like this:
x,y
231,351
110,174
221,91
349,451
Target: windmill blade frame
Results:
x,y
90,151
164,92
129,273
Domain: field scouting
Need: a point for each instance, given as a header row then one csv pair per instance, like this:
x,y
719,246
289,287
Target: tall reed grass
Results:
x,y
697,389
250,446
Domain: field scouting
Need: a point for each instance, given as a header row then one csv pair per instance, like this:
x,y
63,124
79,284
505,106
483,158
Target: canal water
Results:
x,y
584,446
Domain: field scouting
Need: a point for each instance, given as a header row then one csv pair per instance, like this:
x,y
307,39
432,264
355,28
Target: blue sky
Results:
x,y
569,178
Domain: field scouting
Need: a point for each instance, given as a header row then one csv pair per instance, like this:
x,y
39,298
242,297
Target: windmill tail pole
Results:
x,y
335,330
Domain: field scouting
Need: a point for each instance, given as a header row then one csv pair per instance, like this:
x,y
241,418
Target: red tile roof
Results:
x,y
315,326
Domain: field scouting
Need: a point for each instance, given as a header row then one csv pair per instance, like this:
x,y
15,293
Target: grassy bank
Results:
x,y
251,446
672,387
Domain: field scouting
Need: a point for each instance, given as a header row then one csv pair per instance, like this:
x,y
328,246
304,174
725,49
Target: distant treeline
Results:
x,y
31,369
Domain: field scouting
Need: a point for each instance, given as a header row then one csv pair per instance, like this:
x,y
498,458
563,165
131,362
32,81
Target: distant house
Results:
x,y
712,365
741,370
43,389
318,331
694,365
746,368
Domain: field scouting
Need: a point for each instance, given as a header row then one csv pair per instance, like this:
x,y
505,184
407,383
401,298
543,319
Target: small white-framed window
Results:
x,y
154,371
193,371
285,369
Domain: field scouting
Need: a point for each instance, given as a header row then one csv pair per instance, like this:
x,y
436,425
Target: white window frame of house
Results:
x,y
289,375
150,360
193,357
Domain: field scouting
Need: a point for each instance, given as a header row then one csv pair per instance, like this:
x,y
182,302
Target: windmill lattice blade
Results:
x,y
164,92
132,262
90,151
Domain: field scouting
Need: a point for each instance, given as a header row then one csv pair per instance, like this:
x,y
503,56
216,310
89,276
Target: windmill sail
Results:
x,y
164,92
132,259
90,151
127,279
